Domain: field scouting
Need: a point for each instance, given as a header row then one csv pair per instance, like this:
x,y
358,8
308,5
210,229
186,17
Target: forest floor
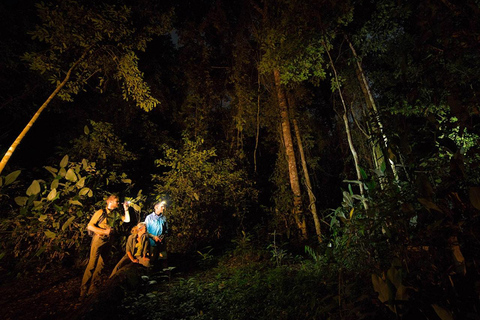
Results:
x,y
54,294
48,295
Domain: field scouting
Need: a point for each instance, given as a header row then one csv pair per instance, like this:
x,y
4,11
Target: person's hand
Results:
x,y
107,231
135,261
157,239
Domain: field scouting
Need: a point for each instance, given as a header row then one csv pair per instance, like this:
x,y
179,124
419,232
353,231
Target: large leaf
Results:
x,y
75,202
474,194
54,184
52,194
64,161
442,313
381,287
84,191
21,201
50,234
52,170
71,176
34,188
81,182
429,204
68,222
11,177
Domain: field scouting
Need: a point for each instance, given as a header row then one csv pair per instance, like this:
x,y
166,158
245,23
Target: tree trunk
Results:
x,y
20,137
371,103
289,151
349,135
311,196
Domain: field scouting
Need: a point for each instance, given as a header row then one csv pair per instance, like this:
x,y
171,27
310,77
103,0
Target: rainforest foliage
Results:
x,y
329,147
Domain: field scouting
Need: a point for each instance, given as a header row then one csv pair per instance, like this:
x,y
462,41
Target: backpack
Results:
x,y
100,219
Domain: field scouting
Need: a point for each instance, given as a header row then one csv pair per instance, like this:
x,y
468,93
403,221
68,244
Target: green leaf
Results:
x,y
75,202
81,182
52,194
52,170
42,218
474,195
84,191
429,204
34,188
21,201
50,234
136,207
62,172
86,130
41,250
442,313
68,222
54,184
64,161
11,177
70,175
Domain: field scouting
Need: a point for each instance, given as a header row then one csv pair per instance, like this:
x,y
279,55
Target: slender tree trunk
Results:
x,y
371,103
292,164
311,196
257,133
349,135
20,137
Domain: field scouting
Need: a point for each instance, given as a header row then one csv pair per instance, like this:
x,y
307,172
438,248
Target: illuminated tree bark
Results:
x,y
349,135
20,137
379,156
292,164
311,196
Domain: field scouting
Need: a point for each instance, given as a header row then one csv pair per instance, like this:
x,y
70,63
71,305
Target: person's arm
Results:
x,y
132,258
126,217
92,227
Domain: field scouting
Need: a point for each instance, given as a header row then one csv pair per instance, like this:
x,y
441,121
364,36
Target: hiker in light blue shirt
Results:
x,y
157,228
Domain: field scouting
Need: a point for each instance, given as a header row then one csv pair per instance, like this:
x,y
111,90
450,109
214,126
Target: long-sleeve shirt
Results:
x,y
156,226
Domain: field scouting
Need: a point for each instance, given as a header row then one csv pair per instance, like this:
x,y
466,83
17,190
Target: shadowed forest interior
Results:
x,y
319,159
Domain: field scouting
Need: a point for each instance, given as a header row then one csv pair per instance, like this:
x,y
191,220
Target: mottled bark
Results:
x,y
312,206
290,153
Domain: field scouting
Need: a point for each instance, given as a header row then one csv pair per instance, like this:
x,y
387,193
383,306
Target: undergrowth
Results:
x,y
261,290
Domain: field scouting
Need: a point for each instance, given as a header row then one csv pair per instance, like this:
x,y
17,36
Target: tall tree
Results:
x,y
87,42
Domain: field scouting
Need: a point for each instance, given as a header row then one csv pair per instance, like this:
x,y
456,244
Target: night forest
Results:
x,y
319,158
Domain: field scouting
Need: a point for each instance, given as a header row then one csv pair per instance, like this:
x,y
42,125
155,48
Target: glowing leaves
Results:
x,y
86,191
10,178
21,201
34,188
133,85
52,170
52,195
49,234
68,223
64,161
71,176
